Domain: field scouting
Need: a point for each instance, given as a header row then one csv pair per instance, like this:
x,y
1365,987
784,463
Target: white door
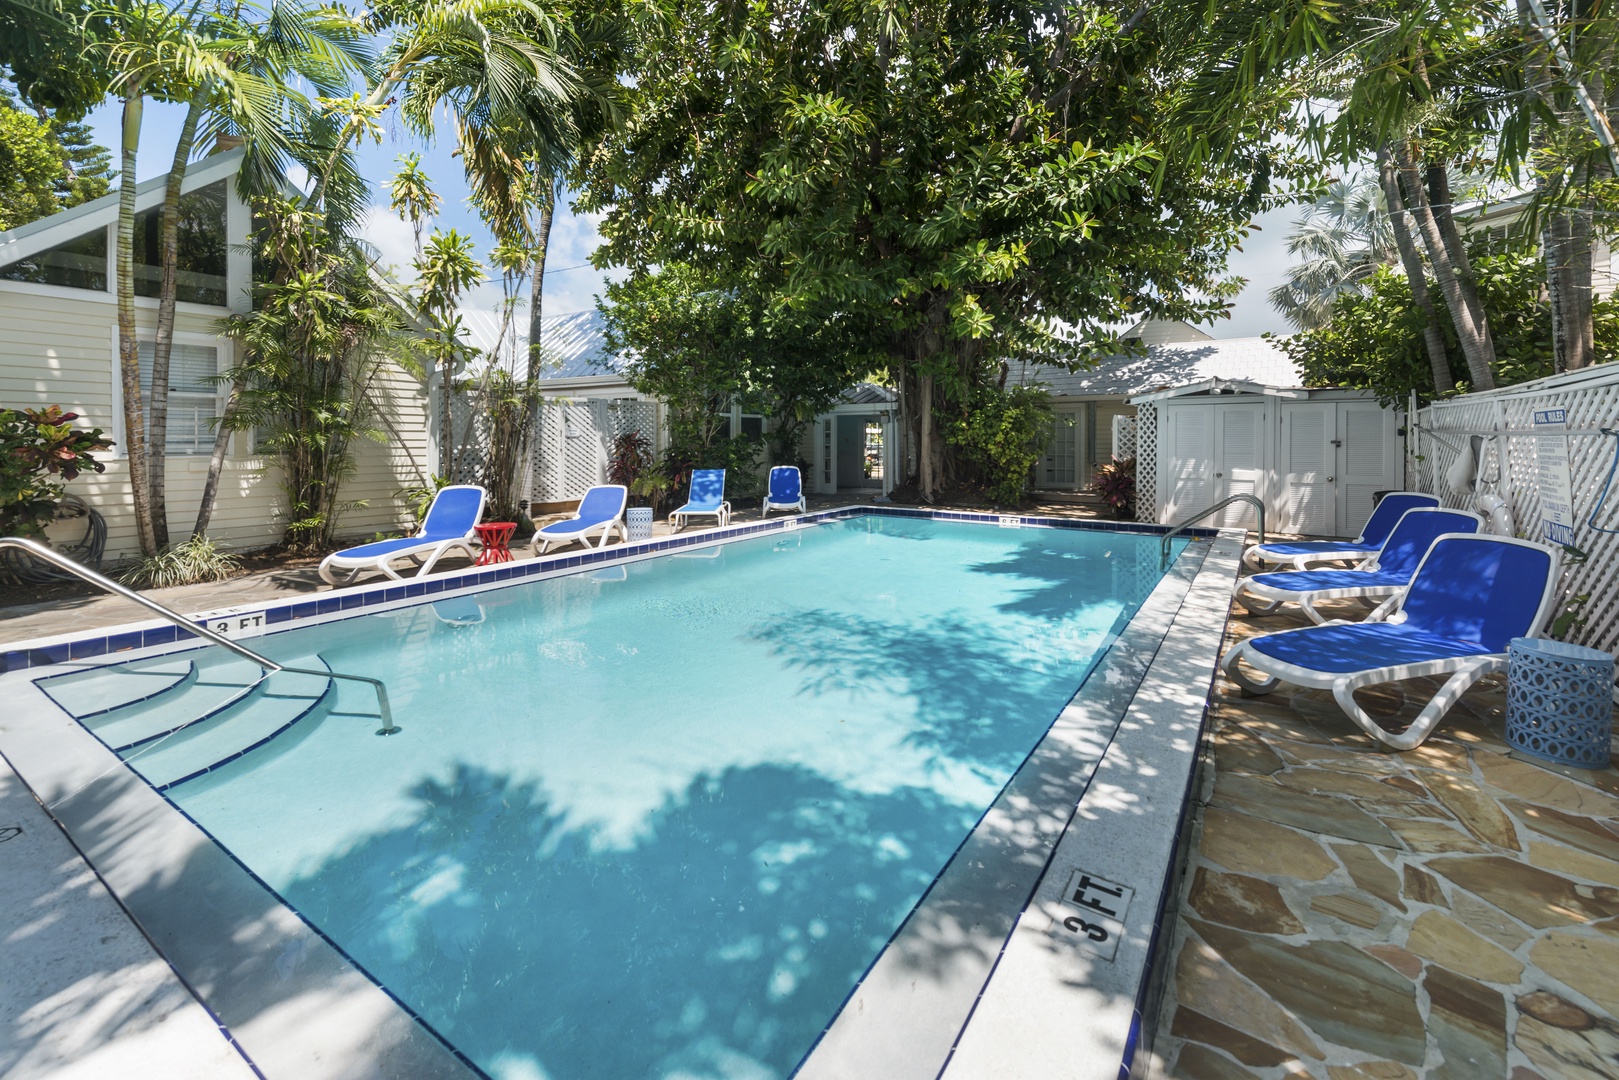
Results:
x,y
1368,460
1239,465
1308,500
1187,471
825,480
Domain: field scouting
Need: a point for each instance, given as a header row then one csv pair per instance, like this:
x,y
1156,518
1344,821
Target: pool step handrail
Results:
x,y
1253,500
57,559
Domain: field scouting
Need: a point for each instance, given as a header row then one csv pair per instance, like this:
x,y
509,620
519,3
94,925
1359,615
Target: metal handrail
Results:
x,y
56,558
1163,543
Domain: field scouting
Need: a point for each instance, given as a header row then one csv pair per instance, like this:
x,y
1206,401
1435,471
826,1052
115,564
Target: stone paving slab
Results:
x,y
1450,912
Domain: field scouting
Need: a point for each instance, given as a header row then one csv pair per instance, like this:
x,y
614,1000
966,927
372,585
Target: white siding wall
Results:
x,y
57,347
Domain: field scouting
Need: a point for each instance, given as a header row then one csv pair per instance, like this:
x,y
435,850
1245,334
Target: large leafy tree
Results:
x,y
974,179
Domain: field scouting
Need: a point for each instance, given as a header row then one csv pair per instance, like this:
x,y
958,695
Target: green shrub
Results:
x,y
189,562
35,445
1004,433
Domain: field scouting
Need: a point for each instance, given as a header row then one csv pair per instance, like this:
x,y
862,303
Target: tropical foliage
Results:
x,y
1375,340
46,164
314,351
1004,433
192,561
1115,484
963,181
37,446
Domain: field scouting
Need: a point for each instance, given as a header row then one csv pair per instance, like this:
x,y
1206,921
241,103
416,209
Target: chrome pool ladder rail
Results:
x,y
269,667
1254,500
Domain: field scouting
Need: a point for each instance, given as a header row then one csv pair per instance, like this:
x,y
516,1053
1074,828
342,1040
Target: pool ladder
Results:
x,y
266,665
1253,500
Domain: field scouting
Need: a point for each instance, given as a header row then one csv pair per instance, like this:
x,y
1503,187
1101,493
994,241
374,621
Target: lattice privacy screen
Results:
x,y
1124,437
1507,465
575,442
1146,450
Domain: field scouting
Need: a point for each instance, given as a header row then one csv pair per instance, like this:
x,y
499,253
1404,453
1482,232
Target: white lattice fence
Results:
x,y
1146,449
1124,437
1502,423
575,442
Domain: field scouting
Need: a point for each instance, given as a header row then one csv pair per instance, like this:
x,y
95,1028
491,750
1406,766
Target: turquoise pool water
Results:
x,y
656,820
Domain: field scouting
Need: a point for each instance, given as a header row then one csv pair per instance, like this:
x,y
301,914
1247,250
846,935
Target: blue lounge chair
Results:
x,y
1299,554
707,497
1381,577
1470,597
447,527
786,490
600,511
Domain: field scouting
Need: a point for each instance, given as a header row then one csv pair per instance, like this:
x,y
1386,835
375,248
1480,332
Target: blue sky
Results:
x,y
571,284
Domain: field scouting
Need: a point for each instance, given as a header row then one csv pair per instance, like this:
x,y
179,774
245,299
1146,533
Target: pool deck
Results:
x,y
1449,912
1345,914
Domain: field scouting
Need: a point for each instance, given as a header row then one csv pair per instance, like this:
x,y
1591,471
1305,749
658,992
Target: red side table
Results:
x,y
496,539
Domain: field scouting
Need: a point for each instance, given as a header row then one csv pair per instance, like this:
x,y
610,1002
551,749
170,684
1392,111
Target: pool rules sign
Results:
x,y
1551,468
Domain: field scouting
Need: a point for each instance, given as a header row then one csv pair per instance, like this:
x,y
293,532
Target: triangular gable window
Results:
x,y
81,263
203,245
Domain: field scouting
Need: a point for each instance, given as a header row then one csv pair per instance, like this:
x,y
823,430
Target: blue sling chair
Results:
x,y
601,512
1470,597
1378,578
1299,554
447,527
786,491
707,497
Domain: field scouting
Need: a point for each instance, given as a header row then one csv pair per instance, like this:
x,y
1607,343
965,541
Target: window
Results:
x,y
81,263
203,248
750,426
193,395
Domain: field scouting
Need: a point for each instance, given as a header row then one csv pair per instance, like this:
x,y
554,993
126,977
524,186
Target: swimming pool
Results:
x,y
690,798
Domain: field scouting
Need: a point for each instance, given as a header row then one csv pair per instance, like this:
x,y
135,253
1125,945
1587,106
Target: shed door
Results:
x,y
1368,460
1239,468
1308,501
1190,460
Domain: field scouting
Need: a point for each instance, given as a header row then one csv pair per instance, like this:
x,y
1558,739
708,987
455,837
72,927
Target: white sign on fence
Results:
x,y
1551,466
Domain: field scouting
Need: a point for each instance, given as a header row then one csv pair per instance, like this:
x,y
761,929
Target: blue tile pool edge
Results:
x,y
389,593
473,581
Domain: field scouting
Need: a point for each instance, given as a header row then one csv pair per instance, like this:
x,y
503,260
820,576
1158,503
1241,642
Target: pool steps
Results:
x,y
214,711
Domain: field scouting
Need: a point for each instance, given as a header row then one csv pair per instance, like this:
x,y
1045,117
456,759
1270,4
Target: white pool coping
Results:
x,y
968,987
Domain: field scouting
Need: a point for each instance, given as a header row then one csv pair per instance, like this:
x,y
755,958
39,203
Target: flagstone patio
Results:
x,y
1451,912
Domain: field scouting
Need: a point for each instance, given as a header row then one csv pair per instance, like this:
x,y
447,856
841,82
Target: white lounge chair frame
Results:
x,y
1464,671
542,544
425,555
1382,595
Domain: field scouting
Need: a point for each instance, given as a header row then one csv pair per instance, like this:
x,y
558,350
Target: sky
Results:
x,y
571,283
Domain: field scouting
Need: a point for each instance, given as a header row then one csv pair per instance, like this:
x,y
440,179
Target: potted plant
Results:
x,y
1116,484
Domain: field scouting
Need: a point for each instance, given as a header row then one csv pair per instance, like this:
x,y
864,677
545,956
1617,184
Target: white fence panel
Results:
x,y
575,443
1501,425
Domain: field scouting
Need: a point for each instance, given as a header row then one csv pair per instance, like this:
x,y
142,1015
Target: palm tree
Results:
x,y
1341,239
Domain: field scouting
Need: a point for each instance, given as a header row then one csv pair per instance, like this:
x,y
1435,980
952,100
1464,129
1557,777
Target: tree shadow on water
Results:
x,y
975,704
718,944
1060,582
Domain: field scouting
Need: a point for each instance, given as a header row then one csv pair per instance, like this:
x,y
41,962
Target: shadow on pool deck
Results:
x,y
1450,912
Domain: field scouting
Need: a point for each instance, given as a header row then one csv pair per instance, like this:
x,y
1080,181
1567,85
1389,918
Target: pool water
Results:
x,y
657,819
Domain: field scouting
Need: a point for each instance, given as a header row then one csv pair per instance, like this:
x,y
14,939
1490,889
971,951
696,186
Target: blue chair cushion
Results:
x,y
453,514
1311,580
387,547
1387,514
707,490
1341,650
785,484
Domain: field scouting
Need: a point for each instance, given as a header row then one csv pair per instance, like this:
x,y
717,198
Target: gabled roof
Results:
x,y
1164,367
49,231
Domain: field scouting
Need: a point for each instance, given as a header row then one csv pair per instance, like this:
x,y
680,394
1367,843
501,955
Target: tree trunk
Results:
x,y
1472,328
536,342
129,356
928,485
216,463
157,409
1433,336
1566,240
446,454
